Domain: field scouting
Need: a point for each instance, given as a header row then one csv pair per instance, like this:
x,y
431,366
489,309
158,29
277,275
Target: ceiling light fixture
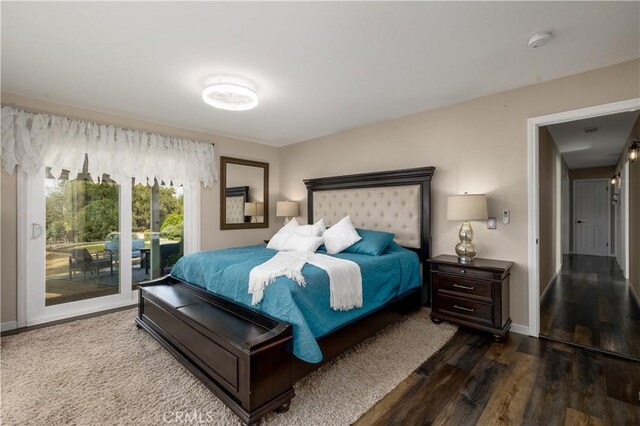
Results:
x,y
539,39
230,94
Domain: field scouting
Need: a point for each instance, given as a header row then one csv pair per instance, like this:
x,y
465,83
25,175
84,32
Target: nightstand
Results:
x,y
474,295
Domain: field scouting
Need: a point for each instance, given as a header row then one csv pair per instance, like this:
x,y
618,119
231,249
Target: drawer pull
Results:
x,y
462,308
464,271
465,287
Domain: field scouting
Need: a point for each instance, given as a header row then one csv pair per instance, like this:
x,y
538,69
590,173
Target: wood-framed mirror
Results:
x,y
244,194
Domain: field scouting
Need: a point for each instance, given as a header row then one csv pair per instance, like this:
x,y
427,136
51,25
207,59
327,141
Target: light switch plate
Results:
x,y
506,216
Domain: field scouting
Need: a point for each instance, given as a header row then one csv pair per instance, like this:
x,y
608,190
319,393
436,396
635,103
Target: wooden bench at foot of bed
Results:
x,y
241,356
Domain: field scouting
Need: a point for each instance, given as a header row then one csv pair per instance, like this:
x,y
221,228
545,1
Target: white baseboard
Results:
x,y
79,313
520,329
10,325
553,279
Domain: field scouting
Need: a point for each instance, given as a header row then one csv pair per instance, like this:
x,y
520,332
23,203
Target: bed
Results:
x,y
250,356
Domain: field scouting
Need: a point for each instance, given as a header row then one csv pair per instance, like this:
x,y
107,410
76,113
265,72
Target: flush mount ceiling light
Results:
x,y
229,94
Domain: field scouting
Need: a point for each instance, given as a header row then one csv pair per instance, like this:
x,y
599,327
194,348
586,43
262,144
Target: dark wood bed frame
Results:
x,y
245,357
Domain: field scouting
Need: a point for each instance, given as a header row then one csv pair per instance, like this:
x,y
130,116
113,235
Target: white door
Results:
x,y
67,273
87,244
591,227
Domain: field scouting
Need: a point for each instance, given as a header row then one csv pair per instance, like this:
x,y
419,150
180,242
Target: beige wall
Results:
x,y
212,236
476,146
549,156
634,224
634,211
9,267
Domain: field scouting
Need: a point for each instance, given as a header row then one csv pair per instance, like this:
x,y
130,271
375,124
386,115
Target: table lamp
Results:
x,y
466,208
251,209
286,209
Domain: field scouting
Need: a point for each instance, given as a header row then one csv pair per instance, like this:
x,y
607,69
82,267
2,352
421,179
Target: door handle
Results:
x,y
36,230
579,221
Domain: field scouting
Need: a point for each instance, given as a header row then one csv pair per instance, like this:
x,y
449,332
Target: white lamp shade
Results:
x,y
250,209
286,209
467,207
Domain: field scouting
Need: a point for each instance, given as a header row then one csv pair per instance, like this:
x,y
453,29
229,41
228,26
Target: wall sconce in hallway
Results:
x,y
633,153
615,179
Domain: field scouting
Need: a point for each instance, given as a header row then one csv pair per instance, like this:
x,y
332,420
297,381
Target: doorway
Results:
x,y
585,296
91,240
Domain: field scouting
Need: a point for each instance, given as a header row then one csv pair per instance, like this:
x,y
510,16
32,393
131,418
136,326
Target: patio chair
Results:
x,y
169,253
82,260
137,246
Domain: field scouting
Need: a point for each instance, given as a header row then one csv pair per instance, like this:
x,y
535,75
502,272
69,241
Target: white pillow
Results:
x,y
314,230
340,236
297,242
277,241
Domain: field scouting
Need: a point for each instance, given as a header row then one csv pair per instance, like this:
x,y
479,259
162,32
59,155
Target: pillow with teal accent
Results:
x,y
373,243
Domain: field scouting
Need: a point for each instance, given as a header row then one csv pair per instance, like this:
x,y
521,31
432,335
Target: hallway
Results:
x,y
590,305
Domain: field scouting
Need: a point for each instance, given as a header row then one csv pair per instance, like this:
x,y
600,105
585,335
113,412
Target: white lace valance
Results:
x,y
34,141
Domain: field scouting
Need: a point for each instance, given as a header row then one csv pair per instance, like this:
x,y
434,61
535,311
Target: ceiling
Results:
x,y
599,148
320,67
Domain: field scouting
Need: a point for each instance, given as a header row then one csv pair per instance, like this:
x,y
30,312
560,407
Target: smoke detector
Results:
x,y
539,39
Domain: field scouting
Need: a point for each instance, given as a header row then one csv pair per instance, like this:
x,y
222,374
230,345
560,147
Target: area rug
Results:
x,y
104,371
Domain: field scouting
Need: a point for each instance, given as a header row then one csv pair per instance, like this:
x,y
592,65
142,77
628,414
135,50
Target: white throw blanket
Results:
x,y
345,279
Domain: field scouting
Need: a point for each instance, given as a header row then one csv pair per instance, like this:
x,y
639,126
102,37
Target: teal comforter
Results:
x,y
226,272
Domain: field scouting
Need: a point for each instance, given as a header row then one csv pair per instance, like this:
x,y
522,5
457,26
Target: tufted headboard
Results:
x,y
397,201
235,198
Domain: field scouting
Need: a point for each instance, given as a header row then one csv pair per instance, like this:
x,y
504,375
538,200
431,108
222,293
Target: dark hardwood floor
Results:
x,y
590,305
474,380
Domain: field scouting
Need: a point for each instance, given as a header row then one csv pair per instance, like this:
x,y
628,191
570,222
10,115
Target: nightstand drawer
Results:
x,y
463,286
465,272
475,295
465,308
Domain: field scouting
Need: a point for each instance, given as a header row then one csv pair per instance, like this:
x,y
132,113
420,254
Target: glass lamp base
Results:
x,y
466,252
465,249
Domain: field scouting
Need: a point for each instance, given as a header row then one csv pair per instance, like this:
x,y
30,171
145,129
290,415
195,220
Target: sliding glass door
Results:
x,y
158,230
91,240
81,217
